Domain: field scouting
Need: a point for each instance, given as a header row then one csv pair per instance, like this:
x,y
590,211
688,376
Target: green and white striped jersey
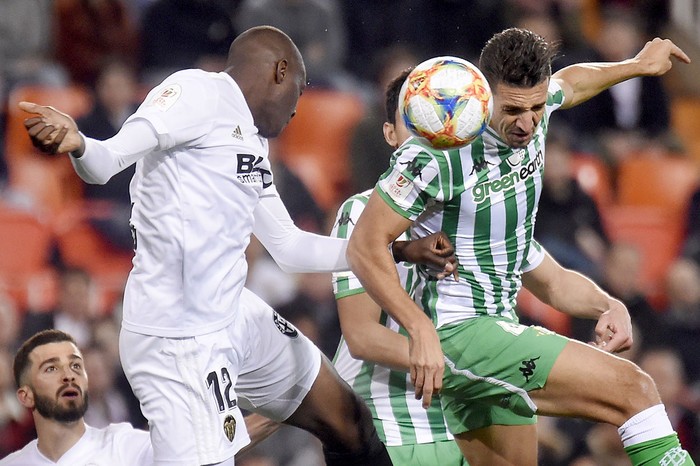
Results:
x,y
484,197
398,416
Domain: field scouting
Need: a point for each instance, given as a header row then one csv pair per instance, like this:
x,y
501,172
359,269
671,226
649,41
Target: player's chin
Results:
x,y
270,131
519,141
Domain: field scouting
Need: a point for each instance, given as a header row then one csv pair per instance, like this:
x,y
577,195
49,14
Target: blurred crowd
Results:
x,y
593,217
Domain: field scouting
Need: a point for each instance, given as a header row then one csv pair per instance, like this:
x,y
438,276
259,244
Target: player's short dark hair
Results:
x,y
517,57
391,102
22,363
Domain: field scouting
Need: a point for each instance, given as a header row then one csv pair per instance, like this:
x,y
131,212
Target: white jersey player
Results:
x,y
51,381
116,444
197,346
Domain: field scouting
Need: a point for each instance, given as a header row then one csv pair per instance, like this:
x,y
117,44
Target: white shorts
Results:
x,y
191,389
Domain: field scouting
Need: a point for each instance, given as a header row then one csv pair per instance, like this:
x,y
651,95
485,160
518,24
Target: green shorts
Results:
x,y
490,365
444,453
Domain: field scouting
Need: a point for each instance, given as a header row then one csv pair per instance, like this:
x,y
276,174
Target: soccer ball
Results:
x,y
447,101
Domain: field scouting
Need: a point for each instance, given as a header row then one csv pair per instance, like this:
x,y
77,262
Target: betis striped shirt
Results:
x,y
398,416
484,197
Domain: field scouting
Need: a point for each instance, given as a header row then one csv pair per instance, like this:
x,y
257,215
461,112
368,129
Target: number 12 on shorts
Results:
x,y
223,401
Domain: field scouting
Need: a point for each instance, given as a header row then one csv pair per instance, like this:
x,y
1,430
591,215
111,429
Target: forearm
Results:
x,y
100,160
379,345
293,249
259,428
367,339
579,296
566,290
586,80
374,266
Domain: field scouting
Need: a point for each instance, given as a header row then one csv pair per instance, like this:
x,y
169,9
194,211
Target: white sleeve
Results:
x,y
104,159
293,249
535,256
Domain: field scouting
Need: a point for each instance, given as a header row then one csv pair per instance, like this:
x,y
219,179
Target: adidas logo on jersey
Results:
x,y
237,133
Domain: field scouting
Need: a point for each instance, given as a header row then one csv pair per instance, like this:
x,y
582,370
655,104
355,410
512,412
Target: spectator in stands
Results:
x,y
26,57
369,153
621,278
107,405
562,28
681,320
89,32
74,312
315,26
297,197
630,116
202,29
653,14
603,448
569,223
105,336
26,45
9,323
116,94
665,366
16,424
691,242
461,28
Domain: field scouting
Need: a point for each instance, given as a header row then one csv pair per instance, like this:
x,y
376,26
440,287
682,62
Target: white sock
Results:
x,y
650,424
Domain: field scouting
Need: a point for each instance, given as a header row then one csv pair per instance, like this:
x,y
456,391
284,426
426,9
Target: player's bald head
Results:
x,y
270,72
263,44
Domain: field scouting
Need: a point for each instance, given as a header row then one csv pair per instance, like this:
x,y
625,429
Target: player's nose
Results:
x,y
68,374
526,122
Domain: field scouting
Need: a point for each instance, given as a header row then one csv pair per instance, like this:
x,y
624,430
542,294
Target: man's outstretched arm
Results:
x,y
582,81
54,132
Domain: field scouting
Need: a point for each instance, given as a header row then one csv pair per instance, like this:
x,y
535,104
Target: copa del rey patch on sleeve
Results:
x,y
397,186
167,97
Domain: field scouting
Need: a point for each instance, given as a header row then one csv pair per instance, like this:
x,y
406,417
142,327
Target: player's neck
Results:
x,y
56,438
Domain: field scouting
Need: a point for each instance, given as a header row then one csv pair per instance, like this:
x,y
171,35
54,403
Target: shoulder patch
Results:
x,y
167,97
397,186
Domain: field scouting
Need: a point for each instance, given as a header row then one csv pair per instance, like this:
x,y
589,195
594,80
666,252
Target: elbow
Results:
x,y
287,267
92,178
99,181
357,348
354,252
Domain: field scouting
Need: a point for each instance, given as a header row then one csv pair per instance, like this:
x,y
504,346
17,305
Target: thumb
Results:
x,y
31,107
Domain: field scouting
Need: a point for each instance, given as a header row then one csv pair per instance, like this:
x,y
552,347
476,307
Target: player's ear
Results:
x,y
281,71
390,134
25,396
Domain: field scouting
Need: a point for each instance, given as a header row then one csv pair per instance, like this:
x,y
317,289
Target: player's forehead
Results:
x,y
60,351
521,97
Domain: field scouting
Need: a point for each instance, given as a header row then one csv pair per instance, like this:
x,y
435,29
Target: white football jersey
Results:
x,y
115,445
192,206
